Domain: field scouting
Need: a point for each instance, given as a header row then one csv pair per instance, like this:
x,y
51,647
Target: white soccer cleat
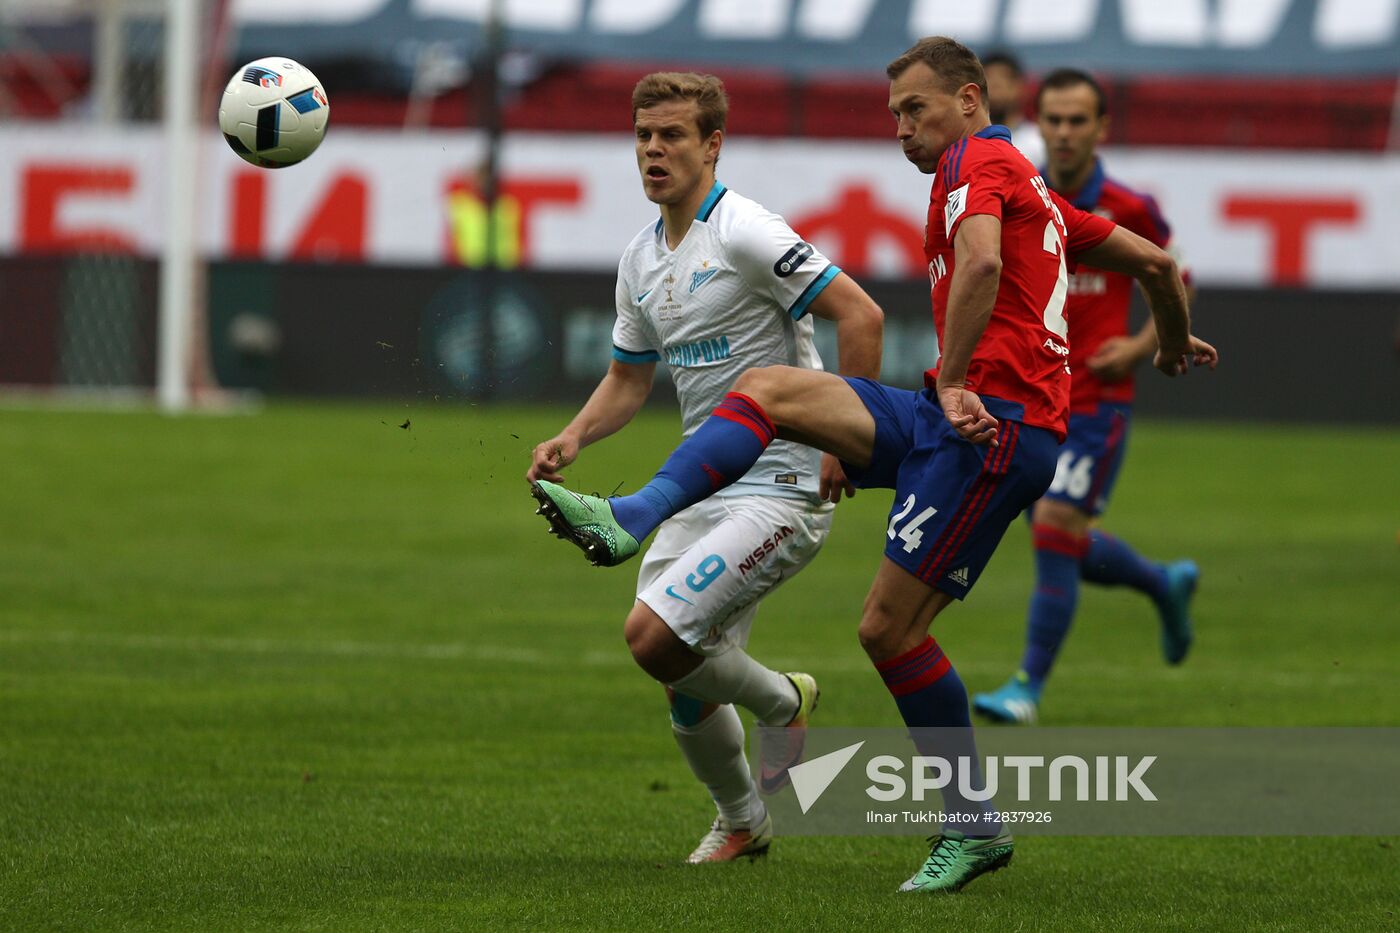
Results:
x,y
725,843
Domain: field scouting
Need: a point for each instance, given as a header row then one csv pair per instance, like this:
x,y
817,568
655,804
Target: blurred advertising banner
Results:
x,y
573,202
322,329
1147,36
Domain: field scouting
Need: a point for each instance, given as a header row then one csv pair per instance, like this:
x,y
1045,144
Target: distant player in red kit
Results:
x,y
965,455
1102,356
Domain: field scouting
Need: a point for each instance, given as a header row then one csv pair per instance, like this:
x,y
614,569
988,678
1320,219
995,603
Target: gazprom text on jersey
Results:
x,y
701,351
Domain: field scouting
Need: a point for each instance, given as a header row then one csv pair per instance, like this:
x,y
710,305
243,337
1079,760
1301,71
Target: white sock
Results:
x,y
714,748
734,677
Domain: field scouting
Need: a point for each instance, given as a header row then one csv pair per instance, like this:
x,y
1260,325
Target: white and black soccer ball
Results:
x,y
274,112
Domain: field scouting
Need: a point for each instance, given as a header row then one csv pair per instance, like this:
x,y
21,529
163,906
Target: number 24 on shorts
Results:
x,y
910,534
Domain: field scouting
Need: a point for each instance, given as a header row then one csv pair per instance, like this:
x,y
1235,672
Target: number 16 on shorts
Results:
x,y
910,533
1074,475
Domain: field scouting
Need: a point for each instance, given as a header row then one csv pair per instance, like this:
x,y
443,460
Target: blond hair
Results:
x,y
711,103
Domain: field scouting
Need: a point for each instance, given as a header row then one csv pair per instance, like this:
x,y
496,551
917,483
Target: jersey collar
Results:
x,y
995,131
1087,197
707,206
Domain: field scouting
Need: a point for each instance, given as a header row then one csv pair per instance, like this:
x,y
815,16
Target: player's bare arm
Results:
x,y
860,326
1157,273
616,401
860,331
1117,357
972,295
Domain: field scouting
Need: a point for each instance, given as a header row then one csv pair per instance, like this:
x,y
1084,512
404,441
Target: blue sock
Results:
x,y
1057,562
931,695
722,449
1111,562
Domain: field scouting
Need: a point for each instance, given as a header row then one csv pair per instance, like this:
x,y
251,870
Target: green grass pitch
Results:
x,y
313,670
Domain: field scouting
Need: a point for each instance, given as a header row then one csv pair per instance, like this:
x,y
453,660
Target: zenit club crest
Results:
x,y
700,278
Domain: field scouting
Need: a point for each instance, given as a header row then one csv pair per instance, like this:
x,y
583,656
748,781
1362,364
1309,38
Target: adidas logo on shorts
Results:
x,y
959,576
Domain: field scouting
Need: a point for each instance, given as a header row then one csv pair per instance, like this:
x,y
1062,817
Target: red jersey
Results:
x,y
1020,364
1098,300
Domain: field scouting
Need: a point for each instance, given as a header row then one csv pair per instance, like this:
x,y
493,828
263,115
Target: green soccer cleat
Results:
x,y
1174,610
955,860
1015,701
587,521
780,753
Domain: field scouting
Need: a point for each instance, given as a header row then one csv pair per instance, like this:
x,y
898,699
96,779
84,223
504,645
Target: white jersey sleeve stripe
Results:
x,y
810,293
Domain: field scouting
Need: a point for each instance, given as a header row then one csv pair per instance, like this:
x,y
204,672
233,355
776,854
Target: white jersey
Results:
x,y
733,295
1026,137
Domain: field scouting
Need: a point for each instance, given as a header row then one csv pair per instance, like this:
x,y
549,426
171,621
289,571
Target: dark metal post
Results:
x,y
489,107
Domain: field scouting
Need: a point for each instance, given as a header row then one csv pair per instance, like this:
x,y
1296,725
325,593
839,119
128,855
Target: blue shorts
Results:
x,y
953,500
1089,460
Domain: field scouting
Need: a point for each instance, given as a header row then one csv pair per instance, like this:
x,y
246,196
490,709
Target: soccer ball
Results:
x,y
274,112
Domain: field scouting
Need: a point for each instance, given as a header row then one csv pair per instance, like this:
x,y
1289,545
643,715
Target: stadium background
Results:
x,y
173,587
1267,131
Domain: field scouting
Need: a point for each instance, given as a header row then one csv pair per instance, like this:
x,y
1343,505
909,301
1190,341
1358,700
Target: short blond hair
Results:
x,y
712,104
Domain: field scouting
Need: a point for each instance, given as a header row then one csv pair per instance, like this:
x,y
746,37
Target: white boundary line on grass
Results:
x,y
123,400
367,649
467,651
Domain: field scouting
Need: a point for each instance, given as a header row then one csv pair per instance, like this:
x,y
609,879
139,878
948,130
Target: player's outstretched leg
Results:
x,y
721,450
954,860
1111,562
